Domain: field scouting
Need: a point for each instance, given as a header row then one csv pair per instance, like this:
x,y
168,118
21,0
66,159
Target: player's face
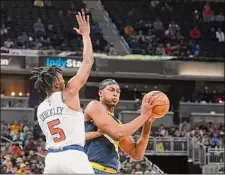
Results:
x,y
110,95
60,83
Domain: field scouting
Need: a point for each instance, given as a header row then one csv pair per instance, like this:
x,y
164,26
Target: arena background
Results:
x,y
174,46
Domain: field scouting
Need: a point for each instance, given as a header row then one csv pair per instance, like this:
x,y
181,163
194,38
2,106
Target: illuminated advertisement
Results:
x,y
65,63
12,61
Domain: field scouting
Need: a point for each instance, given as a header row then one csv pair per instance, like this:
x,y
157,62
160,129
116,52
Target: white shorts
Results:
x,y
70,161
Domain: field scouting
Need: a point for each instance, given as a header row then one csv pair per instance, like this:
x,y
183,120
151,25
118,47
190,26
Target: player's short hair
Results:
x,y
107,82
45,77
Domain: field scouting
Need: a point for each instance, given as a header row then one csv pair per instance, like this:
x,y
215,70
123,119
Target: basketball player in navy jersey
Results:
x,y
102,147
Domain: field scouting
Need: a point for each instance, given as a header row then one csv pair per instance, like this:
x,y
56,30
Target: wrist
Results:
x,y
84,36
150,120
145,115
148,123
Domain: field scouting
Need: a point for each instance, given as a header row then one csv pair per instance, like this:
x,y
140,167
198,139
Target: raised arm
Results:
x,y
78,81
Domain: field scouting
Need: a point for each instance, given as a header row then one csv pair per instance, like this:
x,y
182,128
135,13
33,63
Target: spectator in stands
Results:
x,y
112,50
96,30
9,21
215,140
21,169
166,8
173,28
39,28
72,10
3,12
207,13
50,28
160,50
4,30
9,43
15,149
132,12
129,30
61,15
37,44
22,39
196,51
39,3
154,3
184,126
9,168
196,17
170,50
219,17
220,35
158,25
48,3
212,34
162,131
17,140
195,33
97,46
15,128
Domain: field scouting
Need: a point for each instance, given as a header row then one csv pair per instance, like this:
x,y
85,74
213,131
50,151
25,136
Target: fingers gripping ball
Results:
x,y
163,103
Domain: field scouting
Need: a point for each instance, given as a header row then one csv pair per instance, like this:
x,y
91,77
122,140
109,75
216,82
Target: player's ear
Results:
x,y
100,93
57,83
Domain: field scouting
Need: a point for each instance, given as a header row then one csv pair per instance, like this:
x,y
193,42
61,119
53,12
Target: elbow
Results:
x,y
119,133
117,137
114,133
138,157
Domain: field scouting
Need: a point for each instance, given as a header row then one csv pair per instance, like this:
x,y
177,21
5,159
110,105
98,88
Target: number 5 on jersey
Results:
x,y
57,133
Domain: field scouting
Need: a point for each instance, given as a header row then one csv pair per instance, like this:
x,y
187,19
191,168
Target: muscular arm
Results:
x,y
108,125
137,149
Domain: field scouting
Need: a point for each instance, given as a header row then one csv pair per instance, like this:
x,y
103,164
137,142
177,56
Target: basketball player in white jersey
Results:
x,y
60,116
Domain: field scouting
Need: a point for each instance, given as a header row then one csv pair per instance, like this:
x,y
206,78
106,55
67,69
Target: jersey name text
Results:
x,y
50,112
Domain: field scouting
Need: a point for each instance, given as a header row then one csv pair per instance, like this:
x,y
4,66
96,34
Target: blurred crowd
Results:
x,y
158,38
23,146
167,28
208,134
165,35
45,31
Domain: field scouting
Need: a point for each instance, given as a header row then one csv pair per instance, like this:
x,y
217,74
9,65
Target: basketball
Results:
x,y
163,101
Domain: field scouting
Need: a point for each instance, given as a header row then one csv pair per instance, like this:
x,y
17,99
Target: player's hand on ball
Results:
x,y
83,22
147,105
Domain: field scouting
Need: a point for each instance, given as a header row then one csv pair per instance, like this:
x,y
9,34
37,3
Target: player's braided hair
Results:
x,y
45,78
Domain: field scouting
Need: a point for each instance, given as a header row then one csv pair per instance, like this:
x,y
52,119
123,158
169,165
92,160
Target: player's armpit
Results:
x,y
128,145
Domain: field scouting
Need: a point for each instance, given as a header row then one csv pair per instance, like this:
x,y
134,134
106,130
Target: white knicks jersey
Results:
x,y
61,125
